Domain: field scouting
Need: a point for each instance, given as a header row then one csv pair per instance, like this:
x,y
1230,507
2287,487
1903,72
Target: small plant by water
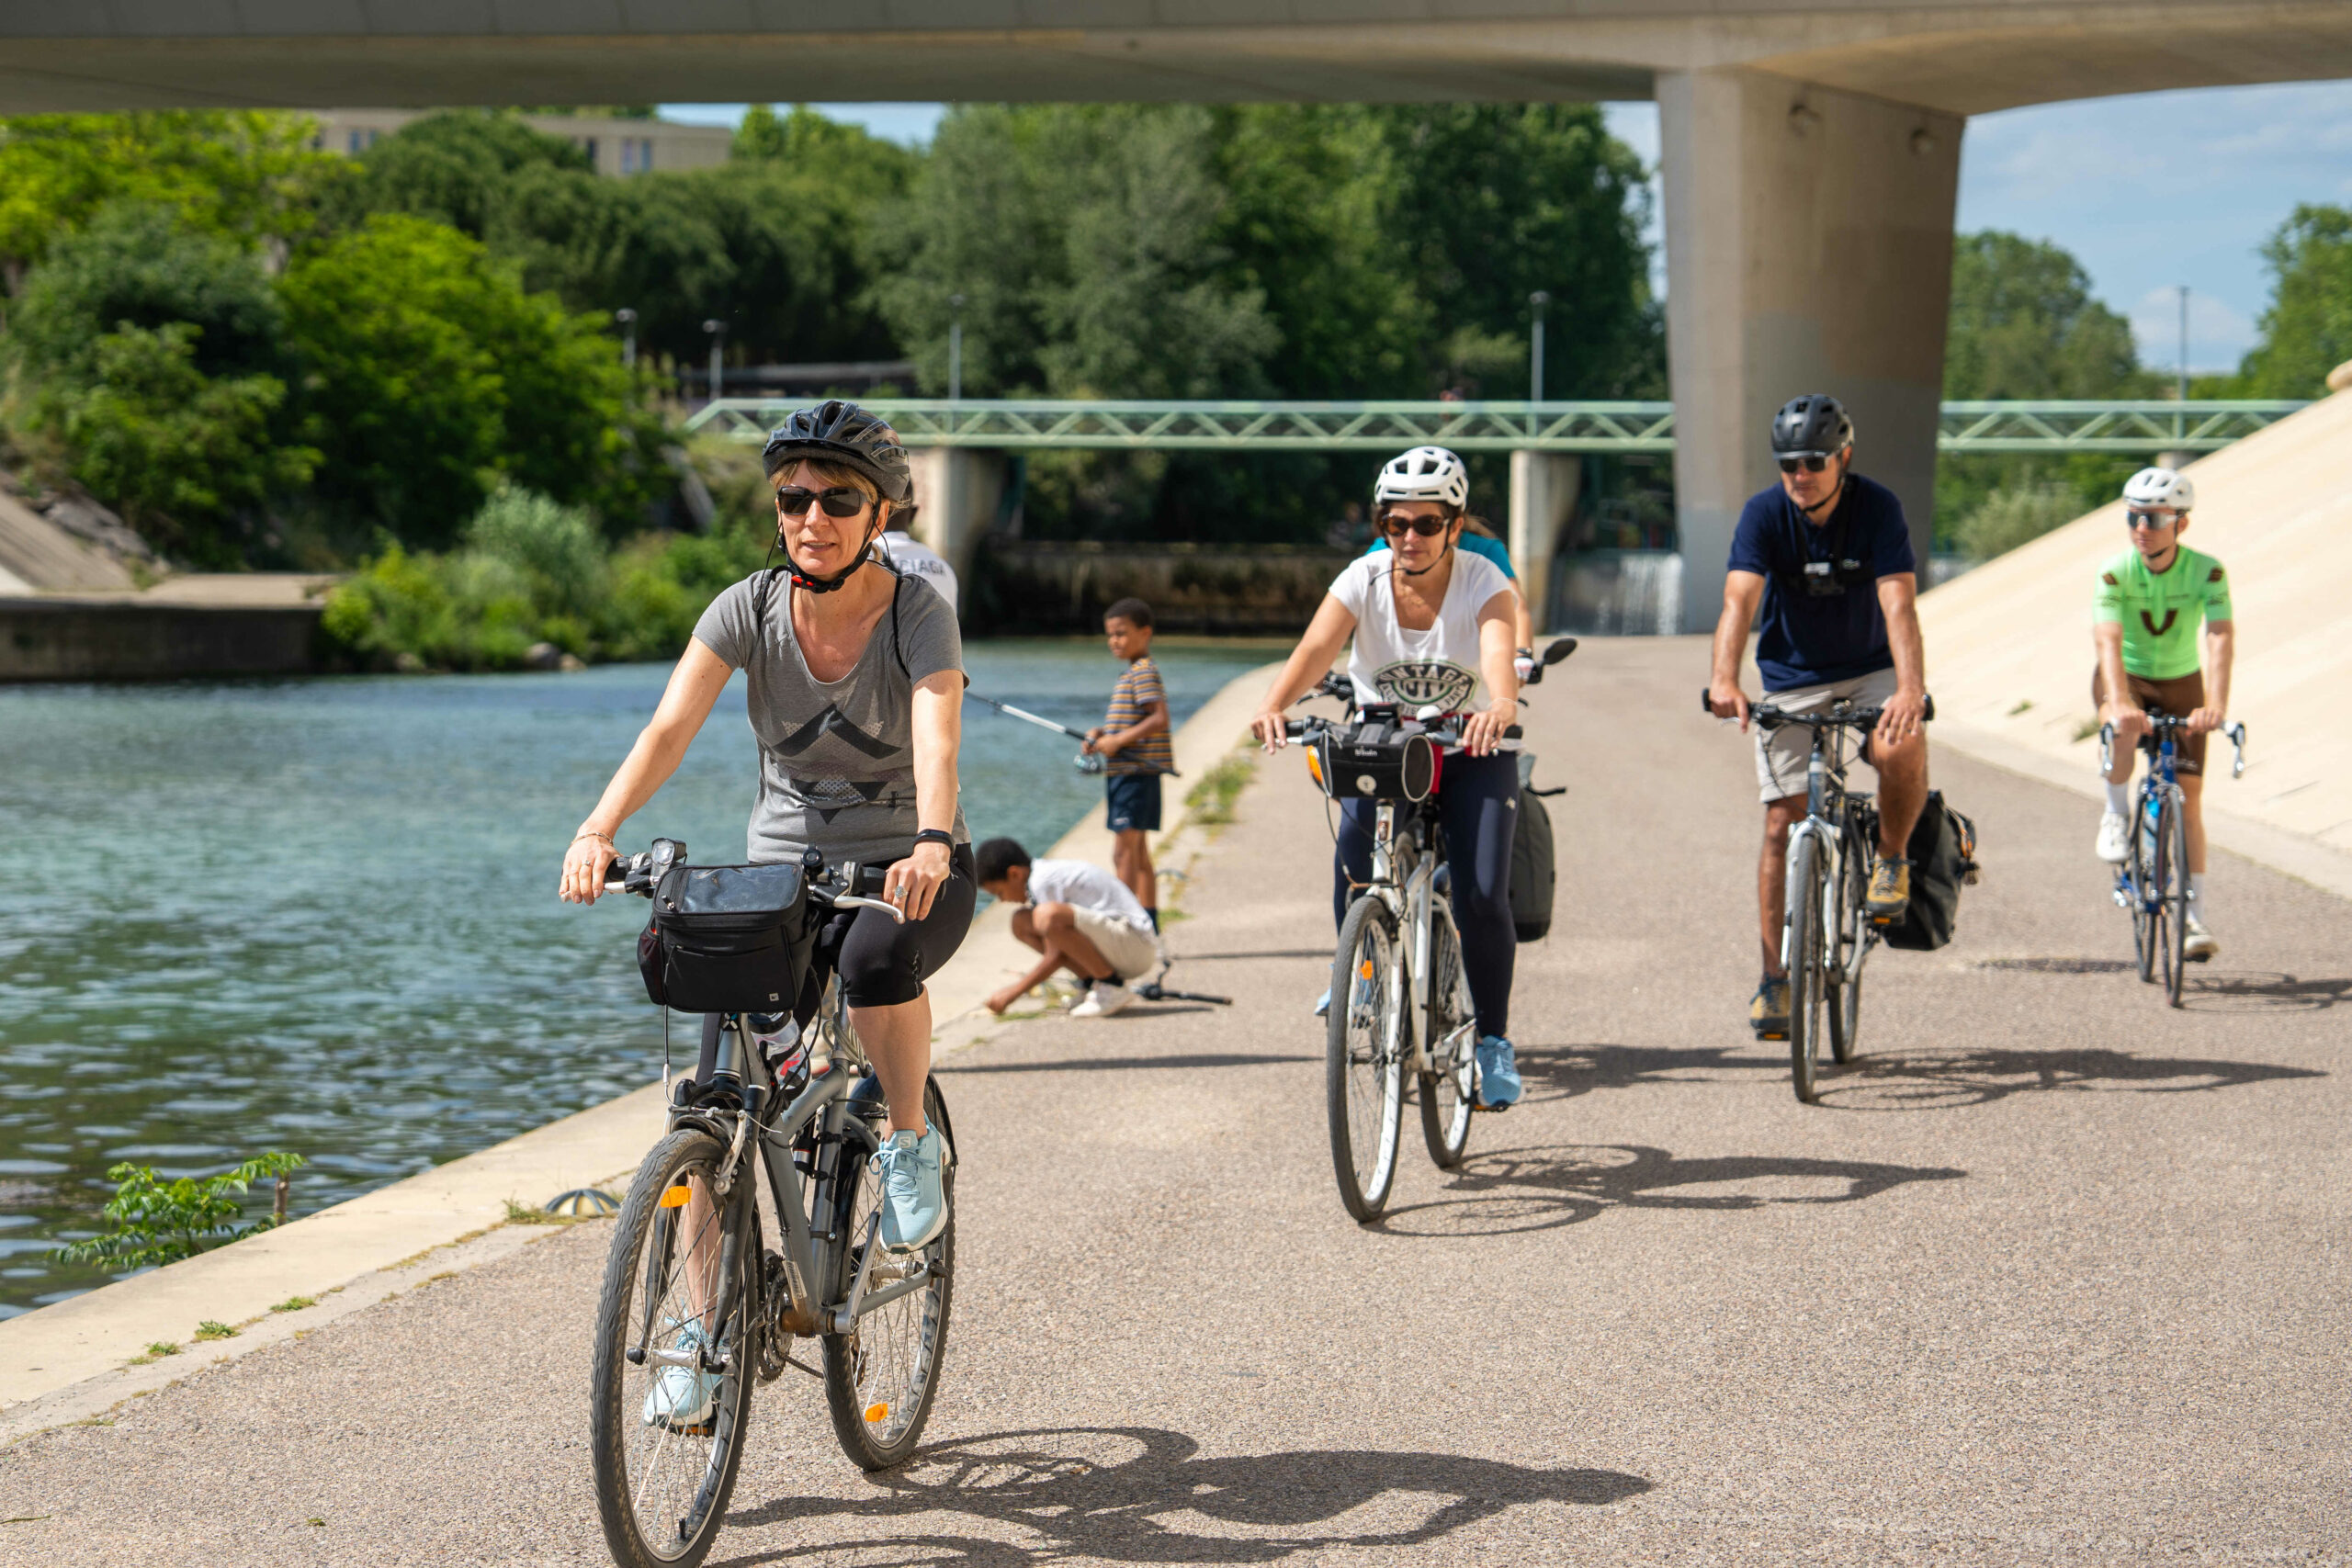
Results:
x,y
157,1222
208,1330
295,1304
1210,801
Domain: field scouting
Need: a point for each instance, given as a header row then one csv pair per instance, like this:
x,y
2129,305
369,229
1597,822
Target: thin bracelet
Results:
x,y
592,833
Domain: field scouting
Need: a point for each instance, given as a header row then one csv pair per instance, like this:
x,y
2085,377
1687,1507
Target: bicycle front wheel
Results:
x,y
1453,1040
881,1377
1806,1002
670,1387
2141,871
2171,889
1847,945
1364,1078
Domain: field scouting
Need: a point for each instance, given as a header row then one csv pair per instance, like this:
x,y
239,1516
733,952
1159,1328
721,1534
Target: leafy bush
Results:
x,y
2014,514
555,548
157,1222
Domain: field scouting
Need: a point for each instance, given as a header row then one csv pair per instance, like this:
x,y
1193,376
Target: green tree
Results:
x,y
2307,329
452,167
432,372
248,175
2024,325
157,1222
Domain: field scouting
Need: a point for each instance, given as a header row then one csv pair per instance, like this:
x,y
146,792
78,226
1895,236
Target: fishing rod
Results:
x,y
1088,760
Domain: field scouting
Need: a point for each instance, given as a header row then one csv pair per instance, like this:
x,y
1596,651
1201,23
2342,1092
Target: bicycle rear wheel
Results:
x,y
1453,1045
1363,1079
880,1378
1848,943
664,1466
1806,1001
2171,889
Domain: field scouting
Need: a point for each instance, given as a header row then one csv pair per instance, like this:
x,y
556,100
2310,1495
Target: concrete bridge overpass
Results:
x,y
1811,147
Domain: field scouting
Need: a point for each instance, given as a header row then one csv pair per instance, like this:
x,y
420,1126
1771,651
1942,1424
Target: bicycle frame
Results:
x,y
1404,878
1828,816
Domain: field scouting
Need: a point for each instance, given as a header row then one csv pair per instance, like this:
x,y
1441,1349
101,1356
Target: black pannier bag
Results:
x,y
1943,860
1534,874
728,939
1377,759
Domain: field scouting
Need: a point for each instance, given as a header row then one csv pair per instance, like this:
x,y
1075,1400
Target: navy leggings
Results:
x,y
1477,810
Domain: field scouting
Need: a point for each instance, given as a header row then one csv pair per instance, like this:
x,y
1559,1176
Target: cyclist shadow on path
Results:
x,y
1146,1494
1921,1081
1504,1192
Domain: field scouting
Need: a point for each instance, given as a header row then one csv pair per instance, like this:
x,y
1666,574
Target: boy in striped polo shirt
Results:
x,y
1133,739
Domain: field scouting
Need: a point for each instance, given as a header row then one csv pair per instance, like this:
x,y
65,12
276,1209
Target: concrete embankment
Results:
x,y
70,1360
1061,585
257,625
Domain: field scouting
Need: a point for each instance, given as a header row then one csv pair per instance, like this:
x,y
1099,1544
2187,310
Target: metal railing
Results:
x,y
1611,427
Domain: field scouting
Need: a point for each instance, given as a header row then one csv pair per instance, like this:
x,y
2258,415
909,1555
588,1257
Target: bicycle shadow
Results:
x,y
1563,1072
2261,990
1112,1064
1506,1192
1146,1494
1922,1080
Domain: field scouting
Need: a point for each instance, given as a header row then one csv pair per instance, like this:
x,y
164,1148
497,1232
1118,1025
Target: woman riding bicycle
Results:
x,y
1433,628
856,691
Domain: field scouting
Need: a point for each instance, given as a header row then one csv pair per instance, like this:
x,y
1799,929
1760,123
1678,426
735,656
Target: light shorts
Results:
x,y
1130,951
1782,754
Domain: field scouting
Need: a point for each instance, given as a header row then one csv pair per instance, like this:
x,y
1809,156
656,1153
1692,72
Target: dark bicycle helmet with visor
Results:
x,y
1812,425
840,432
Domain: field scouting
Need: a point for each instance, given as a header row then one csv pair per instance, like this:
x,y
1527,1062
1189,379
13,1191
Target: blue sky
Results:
x,y
2149,192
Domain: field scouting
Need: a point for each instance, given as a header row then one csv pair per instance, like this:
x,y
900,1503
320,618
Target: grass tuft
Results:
x,y
2024,704
1210,800
2086,729
208,1330
295,1304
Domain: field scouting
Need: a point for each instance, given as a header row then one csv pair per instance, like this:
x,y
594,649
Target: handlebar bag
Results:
x,y
1376,761
728,938
1943,860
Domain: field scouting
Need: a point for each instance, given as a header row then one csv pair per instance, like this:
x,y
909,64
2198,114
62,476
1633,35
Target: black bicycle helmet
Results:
x,y
1813,425
838,432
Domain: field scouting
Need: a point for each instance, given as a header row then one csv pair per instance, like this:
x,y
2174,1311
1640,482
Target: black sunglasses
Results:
x,y
1813,463
1396,524
841,500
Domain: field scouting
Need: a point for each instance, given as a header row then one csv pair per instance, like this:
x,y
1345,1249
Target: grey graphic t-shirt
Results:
x,y
837,763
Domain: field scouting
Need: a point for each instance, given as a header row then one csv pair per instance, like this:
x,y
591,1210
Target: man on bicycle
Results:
x,y
1826,556
2145,616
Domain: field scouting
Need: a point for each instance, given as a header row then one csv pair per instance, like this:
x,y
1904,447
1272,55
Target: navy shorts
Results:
x,y
1134,801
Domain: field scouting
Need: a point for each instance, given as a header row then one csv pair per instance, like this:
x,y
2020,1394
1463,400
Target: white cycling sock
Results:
x,y
2196,893
2119,799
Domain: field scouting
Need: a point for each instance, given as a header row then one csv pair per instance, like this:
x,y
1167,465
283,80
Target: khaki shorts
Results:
x,y
2180,696
1782,754
1131,952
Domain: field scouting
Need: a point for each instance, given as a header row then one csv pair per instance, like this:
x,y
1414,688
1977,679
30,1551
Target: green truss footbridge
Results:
x,y
1627,428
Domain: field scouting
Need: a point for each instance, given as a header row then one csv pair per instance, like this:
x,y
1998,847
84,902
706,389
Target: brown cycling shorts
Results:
x,y
2180,696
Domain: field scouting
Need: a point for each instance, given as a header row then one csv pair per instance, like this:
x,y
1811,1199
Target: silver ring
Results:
x,y
898,896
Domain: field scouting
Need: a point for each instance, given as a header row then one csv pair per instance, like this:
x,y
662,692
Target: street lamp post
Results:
x,y
1536,302
718,331
956,348
627,318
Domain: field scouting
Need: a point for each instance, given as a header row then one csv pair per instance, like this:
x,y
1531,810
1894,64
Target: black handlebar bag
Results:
x,y
1379,760
728,939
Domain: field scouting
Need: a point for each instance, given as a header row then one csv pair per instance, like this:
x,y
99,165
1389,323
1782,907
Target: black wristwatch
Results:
x,y
935,836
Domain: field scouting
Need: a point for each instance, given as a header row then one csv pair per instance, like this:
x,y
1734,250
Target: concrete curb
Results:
x,y
74,1361
2306,860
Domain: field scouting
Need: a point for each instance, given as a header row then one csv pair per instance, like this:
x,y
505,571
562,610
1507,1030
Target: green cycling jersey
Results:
x,y
2160,611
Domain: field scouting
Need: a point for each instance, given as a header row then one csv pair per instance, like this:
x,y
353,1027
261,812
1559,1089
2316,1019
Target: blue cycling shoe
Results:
x,y
1498,1072
682,1397
914,1196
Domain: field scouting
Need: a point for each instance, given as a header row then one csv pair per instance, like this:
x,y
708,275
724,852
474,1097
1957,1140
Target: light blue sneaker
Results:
x,y
915,1199
1323,1003
682,1396
1498,1072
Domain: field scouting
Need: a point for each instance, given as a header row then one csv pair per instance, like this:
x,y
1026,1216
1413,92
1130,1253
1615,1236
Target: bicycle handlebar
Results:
x,y
1441,731
2160,724
1838,714
639,874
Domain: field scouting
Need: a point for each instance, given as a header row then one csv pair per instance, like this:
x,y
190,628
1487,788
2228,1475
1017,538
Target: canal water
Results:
x,y
320,915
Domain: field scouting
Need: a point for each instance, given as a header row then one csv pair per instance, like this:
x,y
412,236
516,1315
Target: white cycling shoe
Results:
x,y
2114,838
2196,943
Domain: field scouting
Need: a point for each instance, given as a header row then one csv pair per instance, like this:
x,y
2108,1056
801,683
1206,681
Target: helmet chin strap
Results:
x,y
808,584
1409,571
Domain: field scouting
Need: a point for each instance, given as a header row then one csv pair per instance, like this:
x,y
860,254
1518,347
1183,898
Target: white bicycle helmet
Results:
x,y
1425,473
2160,487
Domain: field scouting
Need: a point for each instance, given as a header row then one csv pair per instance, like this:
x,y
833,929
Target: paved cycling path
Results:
x,y
2055,1276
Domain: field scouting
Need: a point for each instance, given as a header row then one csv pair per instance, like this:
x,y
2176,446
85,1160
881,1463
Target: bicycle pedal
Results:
x,y
1767,1035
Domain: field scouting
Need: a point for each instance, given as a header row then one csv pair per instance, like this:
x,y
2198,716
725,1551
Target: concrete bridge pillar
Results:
x,y
1809,243
1543,493
958,490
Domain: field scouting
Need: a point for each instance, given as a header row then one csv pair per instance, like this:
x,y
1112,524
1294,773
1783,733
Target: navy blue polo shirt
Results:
x,y
1808,640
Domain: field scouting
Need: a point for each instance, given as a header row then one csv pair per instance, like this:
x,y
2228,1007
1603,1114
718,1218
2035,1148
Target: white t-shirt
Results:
x,y
1086,886
917,559
1417,670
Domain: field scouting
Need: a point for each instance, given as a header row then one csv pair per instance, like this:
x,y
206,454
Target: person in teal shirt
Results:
x,y
2145,616
1478,538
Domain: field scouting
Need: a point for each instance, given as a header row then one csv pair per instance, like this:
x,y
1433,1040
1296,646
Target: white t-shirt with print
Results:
x,y
917,559
1085,886
1417,670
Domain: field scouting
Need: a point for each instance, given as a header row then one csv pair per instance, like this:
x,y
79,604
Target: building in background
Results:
x,y
614,146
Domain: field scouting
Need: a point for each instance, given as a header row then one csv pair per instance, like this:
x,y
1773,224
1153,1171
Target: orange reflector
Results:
x,y
675,1197
1315,767
1365,969
876,1414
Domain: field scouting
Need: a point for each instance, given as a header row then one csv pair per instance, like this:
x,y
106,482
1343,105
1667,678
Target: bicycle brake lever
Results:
x,y
859,901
